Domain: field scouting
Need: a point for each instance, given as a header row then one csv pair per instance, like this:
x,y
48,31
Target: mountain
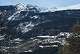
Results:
x,y
30,22
20,25
53,9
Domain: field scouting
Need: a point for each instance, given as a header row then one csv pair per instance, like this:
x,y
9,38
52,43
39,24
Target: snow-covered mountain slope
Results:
x,y
17,27
30,22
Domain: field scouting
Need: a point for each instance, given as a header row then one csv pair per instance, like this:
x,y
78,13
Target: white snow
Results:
x,y
2,37
55,45
13,16
25,27
47,36
17,39
34,17
28,51
21,7
41,46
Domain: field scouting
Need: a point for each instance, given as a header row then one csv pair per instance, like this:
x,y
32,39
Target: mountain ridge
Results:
x,y
38,23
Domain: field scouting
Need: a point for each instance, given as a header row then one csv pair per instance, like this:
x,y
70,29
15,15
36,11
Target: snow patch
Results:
x,y
34,17
25,27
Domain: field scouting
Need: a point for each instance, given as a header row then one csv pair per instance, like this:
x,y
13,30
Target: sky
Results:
x,y
41,3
